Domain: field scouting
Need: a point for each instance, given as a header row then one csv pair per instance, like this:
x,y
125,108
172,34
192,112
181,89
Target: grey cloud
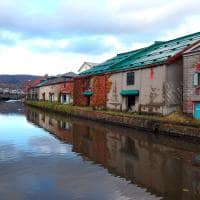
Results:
x,y
87,23
75,18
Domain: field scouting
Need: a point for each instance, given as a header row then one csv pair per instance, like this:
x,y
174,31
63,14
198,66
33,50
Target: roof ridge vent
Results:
x,y
158,42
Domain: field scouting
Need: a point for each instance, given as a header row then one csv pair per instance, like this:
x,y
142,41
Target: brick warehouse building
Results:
x,y
191,81
91,90
145,80
57,89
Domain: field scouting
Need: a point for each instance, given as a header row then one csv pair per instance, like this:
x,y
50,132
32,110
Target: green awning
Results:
x,y
87,93
129,92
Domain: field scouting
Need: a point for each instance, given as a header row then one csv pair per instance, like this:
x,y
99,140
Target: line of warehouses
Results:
x,y
161,78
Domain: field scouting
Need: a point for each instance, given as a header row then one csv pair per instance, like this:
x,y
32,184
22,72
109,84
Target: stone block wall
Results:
x,y
190,61
55,89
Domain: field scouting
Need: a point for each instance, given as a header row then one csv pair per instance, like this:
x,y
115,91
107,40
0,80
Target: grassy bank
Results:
x,y
173,125
56,107
174,118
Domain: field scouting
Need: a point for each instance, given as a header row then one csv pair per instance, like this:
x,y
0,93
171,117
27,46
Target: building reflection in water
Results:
x,y
11,107
164,166
60,128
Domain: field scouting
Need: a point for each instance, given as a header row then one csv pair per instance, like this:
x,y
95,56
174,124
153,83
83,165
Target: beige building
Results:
x,y
50,92
146,80
153,90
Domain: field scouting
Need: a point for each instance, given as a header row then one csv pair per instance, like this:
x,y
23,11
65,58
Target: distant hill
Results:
x,y
15,81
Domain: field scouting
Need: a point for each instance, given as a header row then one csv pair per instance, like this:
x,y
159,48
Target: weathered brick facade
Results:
x,y
155,96
48,89
80,85
68,88
99,85
31,91
156,74
98,88
159,94
190,92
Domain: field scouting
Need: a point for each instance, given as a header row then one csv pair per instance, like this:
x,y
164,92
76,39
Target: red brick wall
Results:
x,y
79,87
68,87
99,91
100,87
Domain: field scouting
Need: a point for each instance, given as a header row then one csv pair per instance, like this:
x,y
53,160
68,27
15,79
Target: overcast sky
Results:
x,y
57,36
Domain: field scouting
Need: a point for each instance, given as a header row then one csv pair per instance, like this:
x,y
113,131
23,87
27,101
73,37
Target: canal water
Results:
x,y
49,156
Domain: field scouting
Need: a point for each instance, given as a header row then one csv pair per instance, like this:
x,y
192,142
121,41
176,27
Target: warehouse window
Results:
x,y
196,79
130,78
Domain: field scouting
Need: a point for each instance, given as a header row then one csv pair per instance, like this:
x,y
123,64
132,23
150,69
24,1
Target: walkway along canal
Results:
x,y
49,156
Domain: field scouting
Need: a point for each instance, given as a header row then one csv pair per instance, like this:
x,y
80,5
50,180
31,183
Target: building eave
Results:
x,y
179,54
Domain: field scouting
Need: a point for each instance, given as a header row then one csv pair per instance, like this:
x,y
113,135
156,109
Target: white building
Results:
x,y
86,66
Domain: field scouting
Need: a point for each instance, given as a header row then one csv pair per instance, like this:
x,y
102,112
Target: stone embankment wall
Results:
x,y
148,123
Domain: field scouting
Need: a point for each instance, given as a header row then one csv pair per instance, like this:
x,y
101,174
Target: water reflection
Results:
x,y
166,167
58,127
11,107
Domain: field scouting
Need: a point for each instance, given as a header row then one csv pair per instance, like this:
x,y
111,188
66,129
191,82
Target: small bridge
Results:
x,y
8,96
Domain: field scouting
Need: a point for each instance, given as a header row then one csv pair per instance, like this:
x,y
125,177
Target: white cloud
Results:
x,y
4,34
45,43
183,29
62,34
20,60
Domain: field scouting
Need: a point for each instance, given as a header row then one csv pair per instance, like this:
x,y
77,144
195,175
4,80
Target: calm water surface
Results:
x,y
47,156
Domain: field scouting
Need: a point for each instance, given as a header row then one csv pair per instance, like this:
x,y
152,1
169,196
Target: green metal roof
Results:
x,y
87,93
129,92
105,66
57,79
156,53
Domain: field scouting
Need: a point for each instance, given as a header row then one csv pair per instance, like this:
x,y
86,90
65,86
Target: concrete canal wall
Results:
x,y
153,124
